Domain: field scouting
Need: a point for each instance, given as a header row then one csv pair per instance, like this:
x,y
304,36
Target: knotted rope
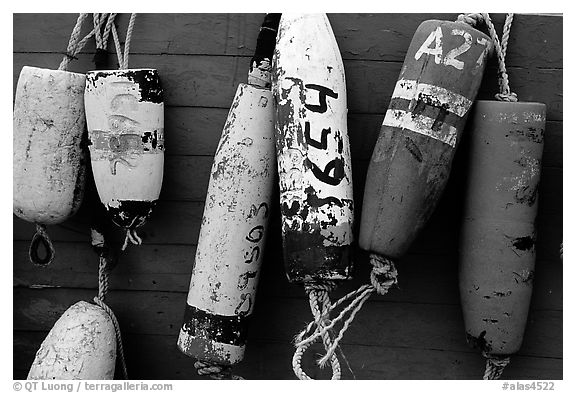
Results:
x,y
501,47
41,237
215,371
495,366
103,251
382,277
123,56
75,44
471,19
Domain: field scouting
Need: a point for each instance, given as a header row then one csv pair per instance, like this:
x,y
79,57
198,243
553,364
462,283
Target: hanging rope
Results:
x,y
75,44
101,248
382,277
501,47
215,371
123,55
131,237
495,366
101,38
41,237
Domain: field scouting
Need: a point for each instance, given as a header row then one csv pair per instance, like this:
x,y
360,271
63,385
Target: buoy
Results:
x,y
313,152
125,118
314,165
233,231
49,158
498,236
412,158
81,345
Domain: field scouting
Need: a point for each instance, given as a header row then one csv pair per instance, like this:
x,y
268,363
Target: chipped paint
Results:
x,y
313,152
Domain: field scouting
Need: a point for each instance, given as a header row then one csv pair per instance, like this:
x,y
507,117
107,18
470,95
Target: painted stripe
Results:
x,y
432,95
420,124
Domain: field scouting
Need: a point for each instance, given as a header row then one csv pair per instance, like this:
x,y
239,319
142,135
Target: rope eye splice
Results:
x,y
230,252
506,147
125,120
47,101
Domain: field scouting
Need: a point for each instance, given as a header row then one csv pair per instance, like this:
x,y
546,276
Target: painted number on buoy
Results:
x,y
336,166
432,46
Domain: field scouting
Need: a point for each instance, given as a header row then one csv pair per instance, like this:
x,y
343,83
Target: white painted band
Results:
x,y
453,102
421,125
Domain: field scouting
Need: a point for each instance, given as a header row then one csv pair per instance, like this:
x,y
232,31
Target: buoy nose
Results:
x,y
130,214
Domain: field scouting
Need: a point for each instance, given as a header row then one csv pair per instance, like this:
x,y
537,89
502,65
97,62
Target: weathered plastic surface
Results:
x,y
81,345
412,158
497,246
312,150
125,118
233,232
49,161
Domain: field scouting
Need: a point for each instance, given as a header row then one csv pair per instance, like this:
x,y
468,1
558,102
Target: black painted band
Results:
x,y
223,329
266,39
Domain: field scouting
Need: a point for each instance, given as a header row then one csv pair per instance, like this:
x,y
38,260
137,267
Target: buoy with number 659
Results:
x,y
233,232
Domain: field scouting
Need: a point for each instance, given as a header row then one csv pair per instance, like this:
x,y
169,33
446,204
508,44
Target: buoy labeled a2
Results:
x,y
312,150
81,345
412,158
498,239
233,232
48,140
125,119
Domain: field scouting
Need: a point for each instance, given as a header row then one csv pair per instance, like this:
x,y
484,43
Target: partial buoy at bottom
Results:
x,y
81,345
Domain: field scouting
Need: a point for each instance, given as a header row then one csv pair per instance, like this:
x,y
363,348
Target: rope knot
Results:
x,y
214,371
495,365
471,19
383,275
508,97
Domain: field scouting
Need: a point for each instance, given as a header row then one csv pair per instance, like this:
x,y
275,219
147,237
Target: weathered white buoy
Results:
x,y
48,157
233,232
313,152
81,345
125,119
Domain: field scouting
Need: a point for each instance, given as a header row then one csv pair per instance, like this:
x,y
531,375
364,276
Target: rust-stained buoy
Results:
x,y
233,232
313,152
49,141
125,119
412,158
497,246
81,345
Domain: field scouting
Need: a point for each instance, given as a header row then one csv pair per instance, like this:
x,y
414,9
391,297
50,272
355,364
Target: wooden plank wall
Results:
x,y
415,332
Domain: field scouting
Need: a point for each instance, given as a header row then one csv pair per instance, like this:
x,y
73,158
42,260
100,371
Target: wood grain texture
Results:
x,y
414,332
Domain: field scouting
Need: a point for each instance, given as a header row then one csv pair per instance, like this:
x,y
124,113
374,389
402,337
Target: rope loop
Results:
x,y
471,19
495,366
41,237
123,55
383,275
215,371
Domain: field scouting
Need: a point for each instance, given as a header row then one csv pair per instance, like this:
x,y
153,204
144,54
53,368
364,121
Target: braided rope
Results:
x,y
215,371
382,277
75,45
501,48
41,237
103,270
495,366
123,55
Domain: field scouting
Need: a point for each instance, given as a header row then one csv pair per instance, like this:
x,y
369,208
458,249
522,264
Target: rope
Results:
x,y
382,277
101,55
123,56
75,45
501,48
471,19
215,371
41,237
495,366
103,269
132,237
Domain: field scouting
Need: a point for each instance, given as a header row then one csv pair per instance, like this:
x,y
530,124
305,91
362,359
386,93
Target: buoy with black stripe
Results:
x,y
498,235
233,233
412,158
313,152
314,168
49,146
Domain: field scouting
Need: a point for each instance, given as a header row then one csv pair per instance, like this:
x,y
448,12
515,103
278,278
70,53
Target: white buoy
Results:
x,y
81,345
125,118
